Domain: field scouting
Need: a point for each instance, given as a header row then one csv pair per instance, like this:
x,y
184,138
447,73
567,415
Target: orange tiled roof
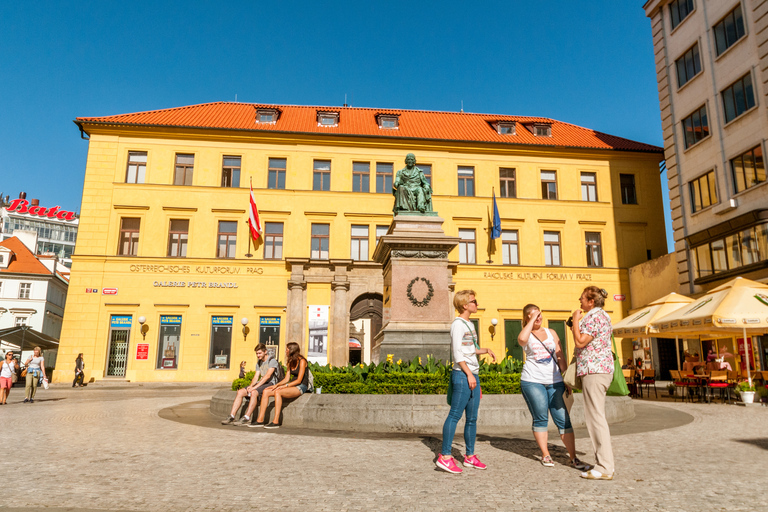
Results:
x,y
23,261
353,121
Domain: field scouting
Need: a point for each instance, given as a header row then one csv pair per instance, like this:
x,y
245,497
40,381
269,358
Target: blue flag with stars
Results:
x,y
496,225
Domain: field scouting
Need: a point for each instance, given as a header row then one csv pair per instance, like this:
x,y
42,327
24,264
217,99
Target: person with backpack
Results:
x,y
268,373
293,385
465,384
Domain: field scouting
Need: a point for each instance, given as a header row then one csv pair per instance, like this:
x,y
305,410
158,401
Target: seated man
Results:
x,y
266,375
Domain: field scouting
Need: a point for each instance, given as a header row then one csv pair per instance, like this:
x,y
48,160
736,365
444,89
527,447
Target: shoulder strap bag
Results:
x,y
618,385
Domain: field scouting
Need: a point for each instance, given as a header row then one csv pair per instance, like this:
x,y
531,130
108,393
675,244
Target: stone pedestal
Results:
x,y
418,289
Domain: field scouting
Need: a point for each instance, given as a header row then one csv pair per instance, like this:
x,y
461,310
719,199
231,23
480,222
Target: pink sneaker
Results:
x,y
473,462
447,464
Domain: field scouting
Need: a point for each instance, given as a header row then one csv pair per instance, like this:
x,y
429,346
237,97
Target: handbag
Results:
x,y
24,372
570,378
618,385
45,383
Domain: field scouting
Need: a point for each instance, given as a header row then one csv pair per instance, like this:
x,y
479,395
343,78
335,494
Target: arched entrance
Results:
x,y
366,315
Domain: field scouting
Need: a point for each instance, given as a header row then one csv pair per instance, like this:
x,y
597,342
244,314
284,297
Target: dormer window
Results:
x,y
542,130
5,257
267,115
505,127
327,118
388,121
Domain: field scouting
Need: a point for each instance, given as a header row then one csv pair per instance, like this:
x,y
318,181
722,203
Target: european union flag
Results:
x,y
496,225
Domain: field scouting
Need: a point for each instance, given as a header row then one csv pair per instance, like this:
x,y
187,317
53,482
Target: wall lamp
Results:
x,y
246,330
144,327
494,322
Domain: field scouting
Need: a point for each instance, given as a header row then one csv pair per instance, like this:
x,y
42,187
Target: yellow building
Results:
x,y
163,274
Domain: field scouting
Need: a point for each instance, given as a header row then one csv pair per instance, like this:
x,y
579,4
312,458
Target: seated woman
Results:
x,y
295,384
628,365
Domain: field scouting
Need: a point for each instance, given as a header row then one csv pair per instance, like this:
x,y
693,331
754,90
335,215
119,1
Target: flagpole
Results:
x,y
248,254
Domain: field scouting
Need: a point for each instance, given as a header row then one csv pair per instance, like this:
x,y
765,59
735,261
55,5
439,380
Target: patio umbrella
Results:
x,y
639,322
739,306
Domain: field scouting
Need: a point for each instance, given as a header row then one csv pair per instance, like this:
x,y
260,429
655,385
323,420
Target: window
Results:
x,y
129,237
505,127
542,130
703,192
24,290
466,181
427,170
738,98
729,30
273,240
267,115
384,178
169,343
509,247
380,232
745,247
137,167
319,242
594,250
327,119
696,126
467,246
628,192
588,186
507,185
688,65
227,239
548,184
552,248
230,172
21,320
184,168
748,169
359,251
361,177
221,342
679,10
321,176
276,173
388,121
177,238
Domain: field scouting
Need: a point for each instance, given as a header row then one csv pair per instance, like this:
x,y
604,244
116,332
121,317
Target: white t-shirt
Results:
x,y
463,348
540,367
7,370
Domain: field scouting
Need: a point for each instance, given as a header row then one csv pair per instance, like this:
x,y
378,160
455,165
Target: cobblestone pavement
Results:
x,y
114,448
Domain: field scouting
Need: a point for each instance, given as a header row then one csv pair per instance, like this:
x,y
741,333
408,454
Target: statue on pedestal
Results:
x,y
411,189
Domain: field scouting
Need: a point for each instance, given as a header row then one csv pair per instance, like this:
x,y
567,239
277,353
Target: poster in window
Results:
x,y
318,334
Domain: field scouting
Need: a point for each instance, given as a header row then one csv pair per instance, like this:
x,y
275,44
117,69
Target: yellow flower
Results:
x,y
419,359
390,357
361,365
399,361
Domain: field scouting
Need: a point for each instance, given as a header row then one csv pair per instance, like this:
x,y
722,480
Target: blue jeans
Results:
x,y
463,400
543,399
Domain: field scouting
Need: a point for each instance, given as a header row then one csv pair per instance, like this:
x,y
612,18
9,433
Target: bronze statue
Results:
x,y
411,189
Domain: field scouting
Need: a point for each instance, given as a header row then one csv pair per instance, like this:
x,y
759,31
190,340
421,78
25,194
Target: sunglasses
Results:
x,y
473,301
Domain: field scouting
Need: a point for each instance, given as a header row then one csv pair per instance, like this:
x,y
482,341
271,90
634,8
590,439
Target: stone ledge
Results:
x,y
417,414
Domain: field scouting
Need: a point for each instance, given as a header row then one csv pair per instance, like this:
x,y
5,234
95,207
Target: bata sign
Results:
x,y
22,206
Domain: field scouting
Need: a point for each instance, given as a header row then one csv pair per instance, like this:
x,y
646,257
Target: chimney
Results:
x,y
34,202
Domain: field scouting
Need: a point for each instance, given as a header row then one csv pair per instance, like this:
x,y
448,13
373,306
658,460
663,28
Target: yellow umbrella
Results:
x,y
739,306
638,323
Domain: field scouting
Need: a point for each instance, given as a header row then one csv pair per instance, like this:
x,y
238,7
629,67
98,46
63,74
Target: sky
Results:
x,y
587,63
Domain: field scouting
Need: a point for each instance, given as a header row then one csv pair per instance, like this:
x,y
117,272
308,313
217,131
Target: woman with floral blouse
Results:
x,y
594,364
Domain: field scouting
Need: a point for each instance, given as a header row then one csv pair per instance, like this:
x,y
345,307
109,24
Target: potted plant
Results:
x,y
746,391
671,389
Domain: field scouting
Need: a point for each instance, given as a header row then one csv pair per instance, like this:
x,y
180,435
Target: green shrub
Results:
x,y
244,382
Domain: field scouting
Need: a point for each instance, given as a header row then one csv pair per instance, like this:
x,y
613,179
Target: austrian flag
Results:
x,y
253,219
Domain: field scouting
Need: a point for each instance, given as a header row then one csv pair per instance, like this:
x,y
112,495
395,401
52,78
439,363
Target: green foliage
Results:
x,y
744,386
244,382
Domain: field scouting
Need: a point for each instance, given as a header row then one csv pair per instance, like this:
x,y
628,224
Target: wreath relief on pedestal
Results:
x,y
430,293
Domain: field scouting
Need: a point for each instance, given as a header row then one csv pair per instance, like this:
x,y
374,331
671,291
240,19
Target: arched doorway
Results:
x,y
366,315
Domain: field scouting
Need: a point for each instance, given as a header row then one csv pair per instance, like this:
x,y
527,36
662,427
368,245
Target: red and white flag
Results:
x,y
253,219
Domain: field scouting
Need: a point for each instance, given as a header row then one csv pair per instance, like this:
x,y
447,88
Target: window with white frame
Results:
x,y
137,167
359,244
467,245
552,248
25,289
509,247
594,249
588,186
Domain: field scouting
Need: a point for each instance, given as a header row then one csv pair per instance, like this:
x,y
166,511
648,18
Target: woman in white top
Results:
x,y
542,384
35,366
8,368
465,384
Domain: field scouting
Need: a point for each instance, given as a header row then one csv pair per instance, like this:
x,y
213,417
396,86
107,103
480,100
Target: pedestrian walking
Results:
x,y
35,367
543,387
464,387
79,374
594,364
9,368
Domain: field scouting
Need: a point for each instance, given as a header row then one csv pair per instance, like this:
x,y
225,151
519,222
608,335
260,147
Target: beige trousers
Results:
x,y
594,388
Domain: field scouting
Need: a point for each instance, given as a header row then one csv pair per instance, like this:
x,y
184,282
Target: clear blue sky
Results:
x,y
587,63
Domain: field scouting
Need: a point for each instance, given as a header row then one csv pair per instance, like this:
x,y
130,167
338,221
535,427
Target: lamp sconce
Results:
x,y
494,322
144,327
246,330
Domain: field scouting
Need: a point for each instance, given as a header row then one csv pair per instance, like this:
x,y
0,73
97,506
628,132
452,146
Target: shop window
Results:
x,y
588,186
748,169
594,250
273,240
221,343
185,166
688,65
321,175
384,178
679,10
177,238
509,247
548,184
319,242
696,126
361,177
227,239
467,245
276,173
738,98
507,184
552,248
703,191
25,289
230,172
169,342
359,250
137,167
129,237
466,181
729,30
628,192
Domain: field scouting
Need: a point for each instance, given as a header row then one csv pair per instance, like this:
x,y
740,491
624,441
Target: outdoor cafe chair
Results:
x,y
681,383
629,377
718,379
649,377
